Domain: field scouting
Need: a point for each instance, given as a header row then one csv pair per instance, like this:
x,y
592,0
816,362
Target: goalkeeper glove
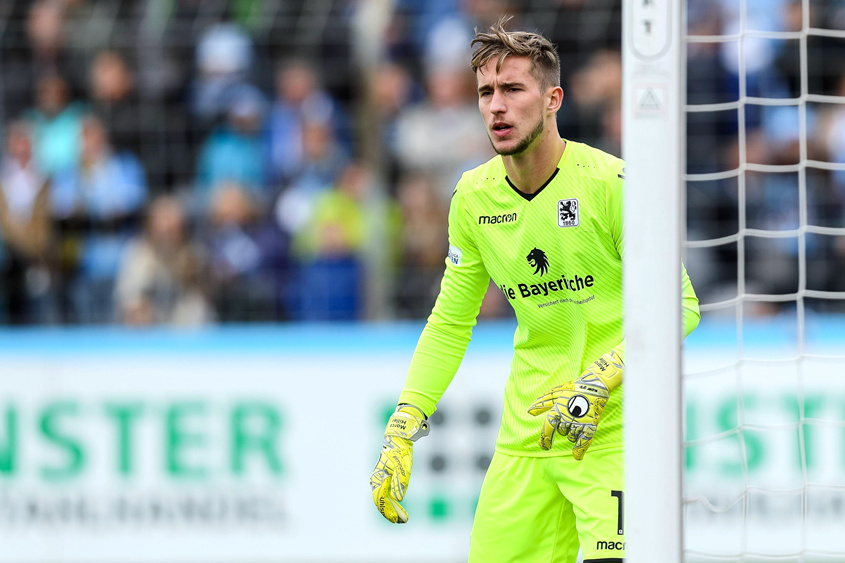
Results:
x,y
393,470
574,408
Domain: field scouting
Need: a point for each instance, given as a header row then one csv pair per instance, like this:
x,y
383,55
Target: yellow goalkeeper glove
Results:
x,y
393,470
574,408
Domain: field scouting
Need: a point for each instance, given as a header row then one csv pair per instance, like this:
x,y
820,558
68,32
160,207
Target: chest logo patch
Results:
x,y
537,259
568,213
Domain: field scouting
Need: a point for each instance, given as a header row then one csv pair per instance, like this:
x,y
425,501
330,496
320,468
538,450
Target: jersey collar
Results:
x,y
529,197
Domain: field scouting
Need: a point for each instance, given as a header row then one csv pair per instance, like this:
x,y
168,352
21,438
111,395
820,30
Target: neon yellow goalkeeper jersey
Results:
x,y
556,255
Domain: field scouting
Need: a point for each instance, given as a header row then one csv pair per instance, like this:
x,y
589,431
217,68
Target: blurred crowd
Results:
x,y
774,197
183,162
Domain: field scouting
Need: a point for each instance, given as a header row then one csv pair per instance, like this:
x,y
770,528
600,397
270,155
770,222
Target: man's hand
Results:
x,y
574,408
393,470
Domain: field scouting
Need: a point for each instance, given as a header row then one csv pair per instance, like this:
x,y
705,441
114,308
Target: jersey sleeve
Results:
x,y
690,312
447,332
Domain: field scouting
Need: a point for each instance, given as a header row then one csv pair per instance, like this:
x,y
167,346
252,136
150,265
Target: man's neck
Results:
x,y
532,168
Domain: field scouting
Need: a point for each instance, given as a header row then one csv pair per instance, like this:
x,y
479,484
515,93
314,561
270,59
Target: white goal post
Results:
x,y
653,58
739,456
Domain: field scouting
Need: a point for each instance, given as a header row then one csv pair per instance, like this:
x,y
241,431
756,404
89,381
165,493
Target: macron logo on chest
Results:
x,y
568,213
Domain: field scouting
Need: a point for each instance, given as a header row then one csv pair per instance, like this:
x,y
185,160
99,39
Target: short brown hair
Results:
x,y
498,42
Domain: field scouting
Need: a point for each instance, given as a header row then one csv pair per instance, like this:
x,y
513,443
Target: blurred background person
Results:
x,y
56,125
423,236
322,161
224,58
35,44
112,93
234,151
596,96
580,29
24,230
133,126
300,100
330,249
162,272
248,257
440,134
97,206
391,90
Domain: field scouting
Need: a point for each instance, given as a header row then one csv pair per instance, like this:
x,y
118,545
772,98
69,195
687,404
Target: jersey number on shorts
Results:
x,y
620,514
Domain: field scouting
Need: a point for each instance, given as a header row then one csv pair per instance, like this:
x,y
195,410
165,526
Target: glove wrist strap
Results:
x,y
609,368
398,425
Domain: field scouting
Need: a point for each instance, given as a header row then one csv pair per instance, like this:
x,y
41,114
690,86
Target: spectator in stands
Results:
x,y
24,230
707,83
299,101
391,90
224,57
97,205
161,275
133,127
445,40
330,249
113,100
57,124
234,152
34,44
596,94
440,134
579,29
423,236
248,258
321,162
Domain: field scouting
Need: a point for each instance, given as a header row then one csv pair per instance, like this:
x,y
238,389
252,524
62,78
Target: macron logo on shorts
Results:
x,y
610,545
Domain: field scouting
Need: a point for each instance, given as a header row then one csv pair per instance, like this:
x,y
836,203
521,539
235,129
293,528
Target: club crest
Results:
x,y
568,213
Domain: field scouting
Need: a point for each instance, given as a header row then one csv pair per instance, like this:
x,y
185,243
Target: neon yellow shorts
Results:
x,y
542,509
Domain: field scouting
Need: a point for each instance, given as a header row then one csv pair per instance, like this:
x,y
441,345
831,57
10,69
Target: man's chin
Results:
x,y
504,148
513,147
507,152
509,149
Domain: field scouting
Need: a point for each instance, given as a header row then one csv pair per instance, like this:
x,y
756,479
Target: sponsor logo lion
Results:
x,y
537,259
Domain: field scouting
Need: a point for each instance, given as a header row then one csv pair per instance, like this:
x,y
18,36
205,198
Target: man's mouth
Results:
x,y
501,129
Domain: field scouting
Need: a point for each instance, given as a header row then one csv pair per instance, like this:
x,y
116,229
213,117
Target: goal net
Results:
x,y
761,107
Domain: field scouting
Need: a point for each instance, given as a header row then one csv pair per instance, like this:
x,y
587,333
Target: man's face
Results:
x,y
511,104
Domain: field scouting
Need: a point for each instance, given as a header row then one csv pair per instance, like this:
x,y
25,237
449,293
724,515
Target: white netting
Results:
x,y
764,396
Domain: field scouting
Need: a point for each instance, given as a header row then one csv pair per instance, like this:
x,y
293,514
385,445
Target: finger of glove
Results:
x,y
550,426
581,445
575,430
389,507
563,426
400,469
599,405
541,405
546,401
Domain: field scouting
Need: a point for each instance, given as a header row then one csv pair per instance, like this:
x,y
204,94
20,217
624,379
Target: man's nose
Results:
x,y
497,103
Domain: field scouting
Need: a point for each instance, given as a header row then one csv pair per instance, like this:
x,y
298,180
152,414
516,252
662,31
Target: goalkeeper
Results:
x,y
543,219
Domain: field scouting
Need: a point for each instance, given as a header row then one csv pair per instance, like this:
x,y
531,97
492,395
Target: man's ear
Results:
x,y
555,98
